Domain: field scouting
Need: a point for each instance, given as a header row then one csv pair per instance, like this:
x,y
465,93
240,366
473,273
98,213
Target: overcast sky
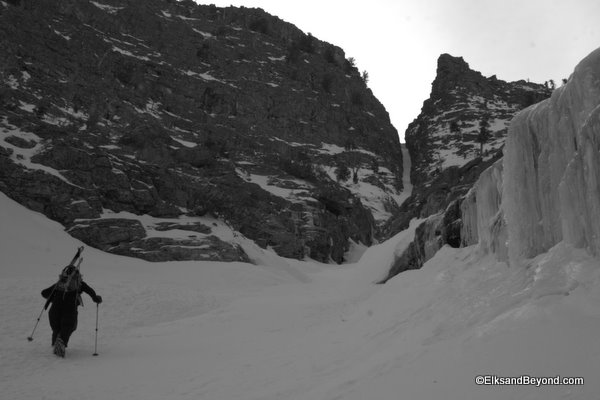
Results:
x,y
398,41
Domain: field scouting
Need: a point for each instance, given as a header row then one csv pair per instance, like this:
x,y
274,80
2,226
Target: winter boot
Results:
x,y
59,347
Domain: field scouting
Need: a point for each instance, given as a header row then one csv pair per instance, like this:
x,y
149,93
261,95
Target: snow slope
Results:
x,y
297,330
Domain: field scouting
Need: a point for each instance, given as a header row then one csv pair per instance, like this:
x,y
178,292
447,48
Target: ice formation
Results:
x,y
551,186
547,187
482,215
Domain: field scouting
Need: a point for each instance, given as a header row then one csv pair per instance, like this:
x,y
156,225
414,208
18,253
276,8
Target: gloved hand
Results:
x,y
98,299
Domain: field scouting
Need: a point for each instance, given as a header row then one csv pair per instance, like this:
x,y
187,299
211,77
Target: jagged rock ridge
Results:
x,y
443,141
445,134
447,155
116,109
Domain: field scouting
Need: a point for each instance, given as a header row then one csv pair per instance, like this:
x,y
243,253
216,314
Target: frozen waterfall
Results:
x,y
547,187
482,216
551,186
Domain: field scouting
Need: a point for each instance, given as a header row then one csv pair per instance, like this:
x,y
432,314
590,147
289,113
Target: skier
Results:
x,y
65,297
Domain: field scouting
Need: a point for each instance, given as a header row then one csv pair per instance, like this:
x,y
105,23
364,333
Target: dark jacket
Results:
x,y
68,301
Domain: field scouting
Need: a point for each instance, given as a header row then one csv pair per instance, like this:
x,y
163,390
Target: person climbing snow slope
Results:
x,y
65,297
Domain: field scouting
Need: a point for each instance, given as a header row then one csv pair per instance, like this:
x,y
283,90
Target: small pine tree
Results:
x,y
484,133
350,65
375,165
342,172
41,108
365,77
354,158
454,127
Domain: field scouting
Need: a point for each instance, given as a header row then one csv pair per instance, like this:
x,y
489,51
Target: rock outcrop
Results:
x,y
446,147
172,110
447,132
449,154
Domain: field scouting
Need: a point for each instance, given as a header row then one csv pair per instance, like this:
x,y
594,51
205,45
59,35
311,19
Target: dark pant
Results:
x,y
62,324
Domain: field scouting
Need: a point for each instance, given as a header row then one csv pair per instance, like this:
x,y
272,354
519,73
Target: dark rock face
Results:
x,y
176,111
444,141
167,249
430,236
107,232
20,142
447,153
197,227
446,132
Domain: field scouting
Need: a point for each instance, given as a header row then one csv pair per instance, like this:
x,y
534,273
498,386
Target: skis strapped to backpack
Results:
x,y
69,279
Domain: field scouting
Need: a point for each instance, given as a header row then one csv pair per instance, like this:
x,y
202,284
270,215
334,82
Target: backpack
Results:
x,y
69,280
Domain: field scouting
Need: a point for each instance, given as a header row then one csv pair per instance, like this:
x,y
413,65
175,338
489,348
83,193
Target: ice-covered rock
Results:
x,y
430,236
552,168
482,216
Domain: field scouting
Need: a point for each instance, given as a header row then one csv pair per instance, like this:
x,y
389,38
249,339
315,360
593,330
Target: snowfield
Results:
x,y
299,330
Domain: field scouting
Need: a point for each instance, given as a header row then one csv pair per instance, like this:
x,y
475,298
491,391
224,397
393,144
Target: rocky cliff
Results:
x,y
158,129
445,140
449,152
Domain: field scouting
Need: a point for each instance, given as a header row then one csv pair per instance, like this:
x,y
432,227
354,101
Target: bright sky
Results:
x,y
398,41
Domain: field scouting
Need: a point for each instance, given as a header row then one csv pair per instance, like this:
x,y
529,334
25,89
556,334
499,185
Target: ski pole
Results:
x,y
96,341
30,337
